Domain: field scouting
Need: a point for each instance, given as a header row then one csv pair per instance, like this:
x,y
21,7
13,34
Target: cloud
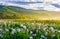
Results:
x,y
56,1
35,6
24,0
49,1
51,8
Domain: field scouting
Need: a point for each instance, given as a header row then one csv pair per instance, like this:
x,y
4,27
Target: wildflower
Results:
x,y
1,35
44,28
13,31
0,29
18,29
27,30
24,27
59,31
42,36
52,29
6,30
34,34
53,35
38,24
33,24
37,30
46,33
31,37
31,32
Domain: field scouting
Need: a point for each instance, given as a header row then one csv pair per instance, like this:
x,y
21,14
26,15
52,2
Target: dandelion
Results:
x,y
24,27
46,33
27,30
44,28
45,25
42,36
13,31
52,29
31,32
18,29
53,35
59,31
0,29
6,30
38,24
31,37
1,35
37,30
34,34
33,24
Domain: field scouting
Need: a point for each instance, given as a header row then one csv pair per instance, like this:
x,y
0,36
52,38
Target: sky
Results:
x,y
55,1
24,0
50,5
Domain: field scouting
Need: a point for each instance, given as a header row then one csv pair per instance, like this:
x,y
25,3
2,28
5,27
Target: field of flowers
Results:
x,y
29,30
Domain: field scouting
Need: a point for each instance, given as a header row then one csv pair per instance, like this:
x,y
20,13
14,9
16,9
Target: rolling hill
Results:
x,y
12,12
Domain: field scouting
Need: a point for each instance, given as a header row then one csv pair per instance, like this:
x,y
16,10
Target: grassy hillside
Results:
x,y
11,12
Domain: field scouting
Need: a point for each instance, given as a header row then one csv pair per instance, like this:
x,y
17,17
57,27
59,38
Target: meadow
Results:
x,y
20,23
33,29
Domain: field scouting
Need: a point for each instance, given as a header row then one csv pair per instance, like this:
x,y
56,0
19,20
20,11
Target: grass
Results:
x,y
10,12
18,23
30,30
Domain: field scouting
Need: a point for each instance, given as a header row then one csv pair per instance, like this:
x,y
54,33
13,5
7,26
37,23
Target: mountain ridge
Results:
x,y
12,12
33,5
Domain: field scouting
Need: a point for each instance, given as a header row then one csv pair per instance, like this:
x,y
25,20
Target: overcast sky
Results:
x,y
37,6
54,1
24,0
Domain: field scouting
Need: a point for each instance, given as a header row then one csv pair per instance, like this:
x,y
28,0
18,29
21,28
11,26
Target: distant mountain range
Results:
x,y
29,10
33,5
14,12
